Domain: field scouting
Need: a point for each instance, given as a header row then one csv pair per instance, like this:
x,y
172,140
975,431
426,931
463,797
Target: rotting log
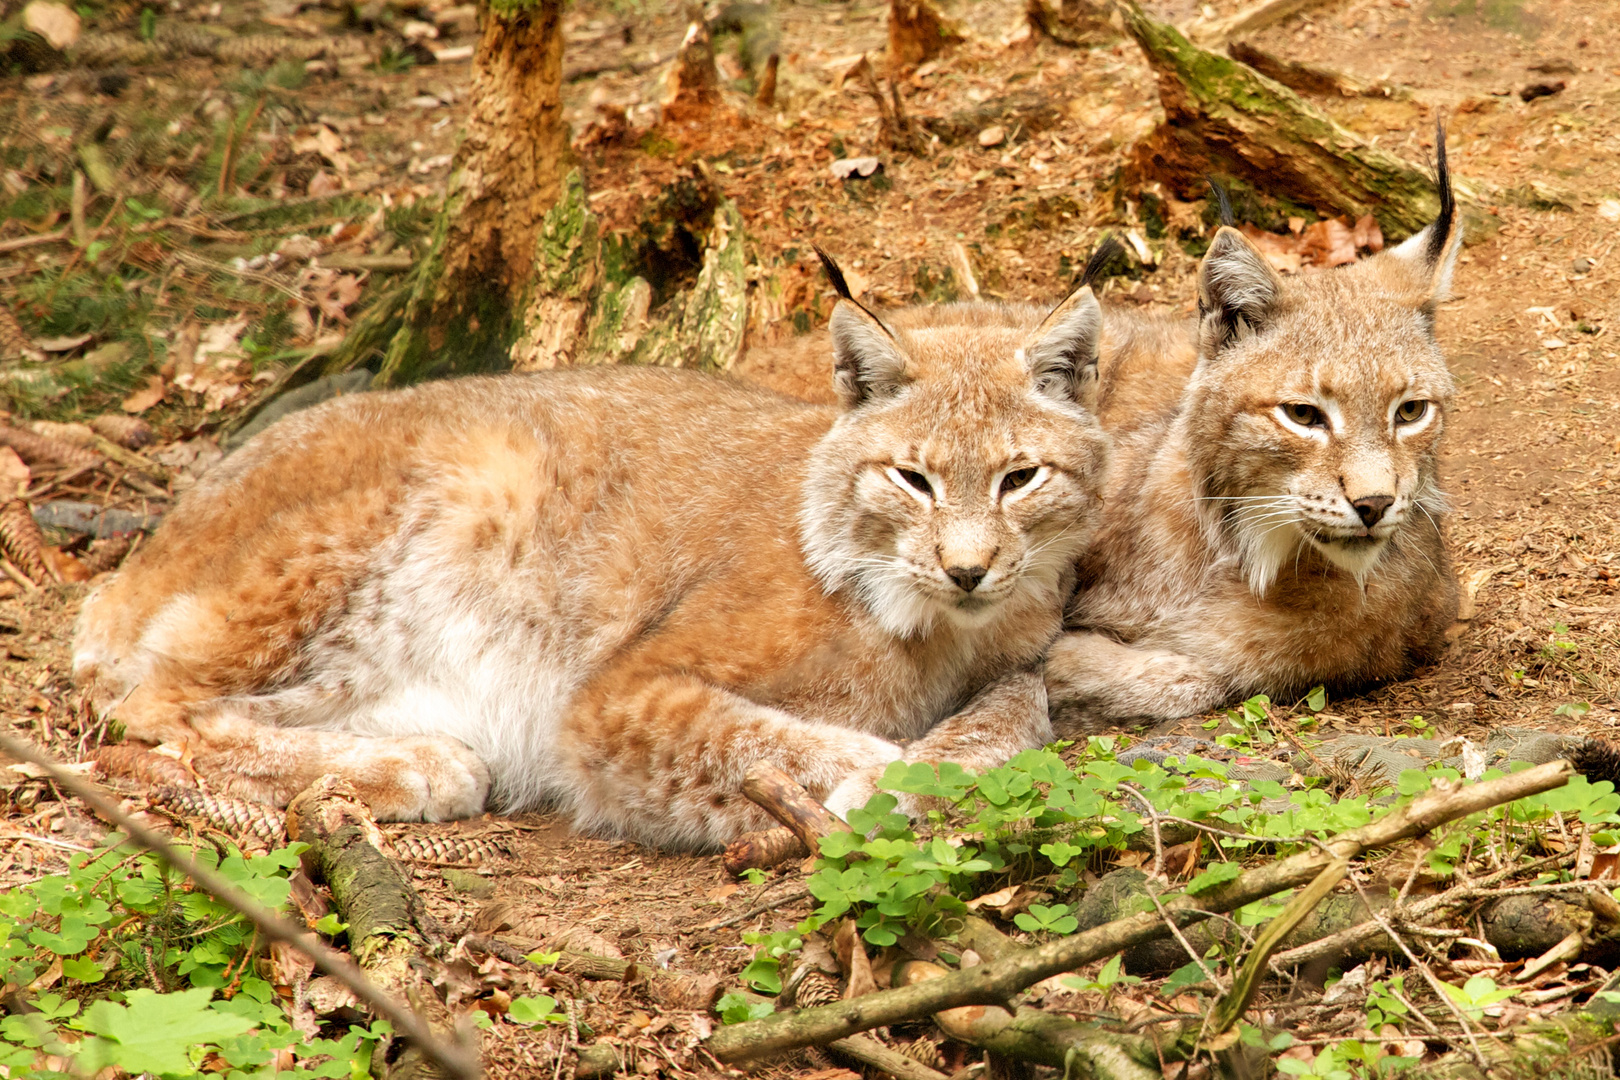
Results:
x,y
374,896
1223,118
995,982
1309,78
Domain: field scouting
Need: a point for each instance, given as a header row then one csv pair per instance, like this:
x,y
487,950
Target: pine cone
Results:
x,y
107,553
78,435
469,850
130,432
925,1051
38,449
816,988
22,542
236,816
15,344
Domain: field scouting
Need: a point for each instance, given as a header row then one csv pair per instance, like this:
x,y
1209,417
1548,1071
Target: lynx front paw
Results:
x,y
859,787
425,779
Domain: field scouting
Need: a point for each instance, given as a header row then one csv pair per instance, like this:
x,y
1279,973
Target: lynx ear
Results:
x,y
1237,289
867,361
1061,354
1431,255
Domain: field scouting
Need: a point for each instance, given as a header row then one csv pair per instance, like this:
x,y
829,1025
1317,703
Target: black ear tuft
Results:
x,y
1238,291
835,275
1440,231
1222,200
1103,254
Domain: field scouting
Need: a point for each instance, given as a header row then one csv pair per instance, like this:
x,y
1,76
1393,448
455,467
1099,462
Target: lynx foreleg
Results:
x,y
1001,720
1095,684
662,759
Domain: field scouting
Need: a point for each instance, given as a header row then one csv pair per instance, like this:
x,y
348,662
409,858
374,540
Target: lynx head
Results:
x,y
1315,414
963,475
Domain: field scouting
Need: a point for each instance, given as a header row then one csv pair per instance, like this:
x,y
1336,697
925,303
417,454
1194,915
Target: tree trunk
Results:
x,y
520,275
461,313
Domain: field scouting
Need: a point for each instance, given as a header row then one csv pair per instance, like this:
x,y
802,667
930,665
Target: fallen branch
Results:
x,y
1253,18
272,927
868,1051
372,894
804,819
997,981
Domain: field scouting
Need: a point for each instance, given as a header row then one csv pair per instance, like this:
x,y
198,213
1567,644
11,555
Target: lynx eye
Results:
x,y
914,480
1018,478
1304,415
1410,412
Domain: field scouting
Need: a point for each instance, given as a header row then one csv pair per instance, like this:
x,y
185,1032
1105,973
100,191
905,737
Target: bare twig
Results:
x,y
761,909
274,928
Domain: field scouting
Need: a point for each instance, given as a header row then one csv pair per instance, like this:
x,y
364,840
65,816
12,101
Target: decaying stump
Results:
x,y
1222,118
919,31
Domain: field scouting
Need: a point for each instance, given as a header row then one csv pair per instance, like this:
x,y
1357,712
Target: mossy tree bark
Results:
x,y
462,313
1223,118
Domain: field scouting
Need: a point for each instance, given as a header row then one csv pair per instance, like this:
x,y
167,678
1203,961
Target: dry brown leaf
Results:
x,y
58,24
322,140
851,953
14,474
64,567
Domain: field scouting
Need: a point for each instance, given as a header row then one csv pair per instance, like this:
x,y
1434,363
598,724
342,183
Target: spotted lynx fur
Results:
x,y
612,590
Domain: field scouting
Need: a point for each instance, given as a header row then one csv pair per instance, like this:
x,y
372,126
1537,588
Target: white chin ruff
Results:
x,y
1356,559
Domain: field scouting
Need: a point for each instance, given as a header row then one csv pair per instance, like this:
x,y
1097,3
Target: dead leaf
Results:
x,y
993,900
147,396
852,958
332,292
64,567
323,184
61,344
14,474
322,140
844,168
58,24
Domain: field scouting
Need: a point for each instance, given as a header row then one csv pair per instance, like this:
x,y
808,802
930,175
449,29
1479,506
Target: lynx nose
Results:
x,y
967,578
1371,509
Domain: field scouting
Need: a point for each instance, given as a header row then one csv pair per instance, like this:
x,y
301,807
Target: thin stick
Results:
x,y
21,242
453,1060
790,898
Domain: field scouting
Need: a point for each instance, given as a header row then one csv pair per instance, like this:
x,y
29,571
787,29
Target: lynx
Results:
x,y
1272,517
612,590
1277,525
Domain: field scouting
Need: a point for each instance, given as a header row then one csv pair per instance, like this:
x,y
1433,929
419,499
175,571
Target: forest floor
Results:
x,y
355,153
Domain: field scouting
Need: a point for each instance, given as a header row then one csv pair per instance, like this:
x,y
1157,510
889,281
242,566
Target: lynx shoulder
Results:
x,y
612,590
1276,524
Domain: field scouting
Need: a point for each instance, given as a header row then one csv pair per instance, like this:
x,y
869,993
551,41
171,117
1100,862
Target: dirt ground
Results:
x,y
1532,455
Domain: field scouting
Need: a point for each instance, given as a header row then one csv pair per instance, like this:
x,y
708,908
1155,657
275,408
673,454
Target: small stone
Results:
x,y
1553,343
465,881
993,135
1582,265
